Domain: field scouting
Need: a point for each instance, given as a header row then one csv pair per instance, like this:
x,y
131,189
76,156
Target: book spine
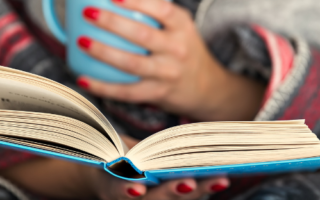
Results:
x,y
147,178
128,161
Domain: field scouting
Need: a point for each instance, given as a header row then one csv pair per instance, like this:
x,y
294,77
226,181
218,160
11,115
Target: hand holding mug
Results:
x,y
81,63
180,75
176,76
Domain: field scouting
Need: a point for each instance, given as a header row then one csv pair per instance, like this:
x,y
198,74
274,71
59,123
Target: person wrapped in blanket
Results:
x,y
240,60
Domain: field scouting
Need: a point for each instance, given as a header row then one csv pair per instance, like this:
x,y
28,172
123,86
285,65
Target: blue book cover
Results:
x,y
155,177
43,117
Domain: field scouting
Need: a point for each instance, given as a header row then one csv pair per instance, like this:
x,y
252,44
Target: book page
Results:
x,y
225,143
21,97
27,92
56,132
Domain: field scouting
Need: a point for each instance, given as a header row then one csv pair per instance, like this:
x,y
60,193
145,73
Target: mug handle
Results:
x,y
52,20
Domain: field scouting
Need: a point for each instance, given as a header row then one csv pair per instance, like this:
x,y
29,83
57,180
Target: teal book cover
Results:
x,y
154,177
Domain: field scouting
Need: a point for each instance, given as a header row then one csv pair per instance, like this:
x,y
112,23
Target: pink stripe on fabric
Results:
x,y
6,44
282,56
7,19
25,42
10,31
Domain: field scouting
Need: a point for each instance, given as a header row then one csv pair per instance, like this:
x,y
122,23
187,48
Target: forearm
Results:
x,y
51,178
233,98
241,99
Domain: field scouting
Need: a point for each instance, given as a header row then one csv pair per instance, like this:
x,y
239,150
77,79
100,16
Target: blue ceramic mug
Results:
x,y
81,63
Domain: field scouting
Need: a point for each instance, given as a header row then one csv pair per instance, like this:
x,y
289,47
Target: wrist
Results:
x,y
229,96
212,92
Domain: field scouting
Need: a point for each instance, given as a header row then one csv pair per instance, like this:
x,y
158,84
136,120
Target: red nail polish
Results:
x,y
83,83
133,192
84,42
118,1
184,189
218,188
91,13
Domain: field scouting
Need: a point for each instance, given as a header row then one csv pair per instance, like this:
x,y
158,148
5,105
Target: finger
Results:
x,y
168,14
131,30
114,188
142,66
208,186
141,92
125,191
214,185
131,63
172,190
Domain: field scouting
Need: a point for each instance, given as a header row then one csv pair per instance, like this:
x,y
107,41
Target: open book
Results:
x,y
44,117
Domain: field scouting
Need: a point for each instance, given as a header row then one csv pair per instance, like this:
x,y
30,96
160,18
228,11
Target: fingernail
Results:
x,y
83,83
118,1
84,42
218,188
184,189
133,192
91,13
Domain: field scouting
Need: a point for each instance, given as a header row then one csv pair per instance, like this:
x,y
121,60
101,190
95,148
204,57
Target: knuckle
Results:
x,y
101,89
110,21
173,74
160,94
102,51
144,34
181,51
132,64
127,95
98,49
168,11
150,68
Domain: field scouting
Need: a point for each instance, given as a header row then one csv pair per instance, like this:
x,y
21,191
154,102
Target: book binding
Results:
x,y
156,176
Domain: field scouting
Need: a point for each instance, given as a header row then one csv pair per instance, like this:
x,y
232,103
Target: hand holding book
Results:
x,y
50,177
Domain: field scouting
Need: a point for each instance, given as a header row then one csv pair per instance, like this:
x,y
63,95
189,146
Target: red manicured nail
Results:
x,y
83,82
91,13
218,188
118,1
84,42
133,192
184,189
